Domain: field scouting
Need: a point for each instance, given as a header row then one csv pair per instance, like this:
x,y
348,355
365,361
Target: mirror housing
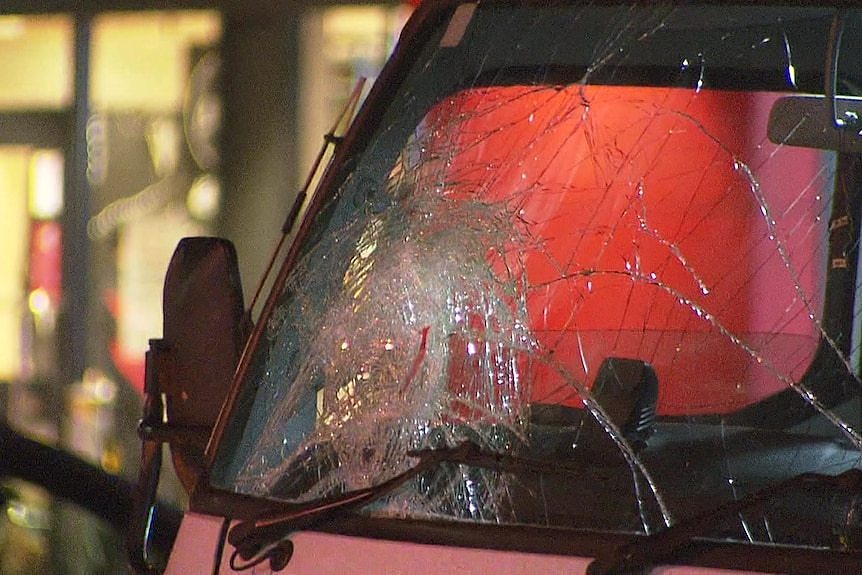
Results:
x,y
191,368
808,121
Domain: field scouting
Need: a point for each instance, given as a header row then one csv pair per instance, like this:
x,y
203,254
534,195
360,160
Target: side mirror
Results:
x,y
808,121
204,334
188,373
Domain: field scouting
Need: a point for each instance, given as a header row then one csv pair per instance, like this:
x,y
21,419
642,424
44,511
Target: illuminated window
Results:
x,y
36,56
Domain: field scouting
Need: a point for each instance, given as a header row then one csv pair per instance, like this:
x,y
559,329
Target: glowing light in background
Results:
x,y
46,184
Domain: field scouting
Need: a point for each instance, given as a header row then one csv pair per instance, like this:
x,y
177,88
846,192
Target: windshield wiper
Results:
x,y
265,538
642,555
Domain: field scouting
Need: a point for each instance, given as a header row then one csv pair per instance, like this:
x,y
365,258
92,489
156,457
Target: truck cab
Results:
x,y
575,291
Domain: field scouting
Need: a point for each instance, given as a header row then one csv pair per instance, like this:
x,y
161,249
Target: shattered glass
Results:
x,y
570,242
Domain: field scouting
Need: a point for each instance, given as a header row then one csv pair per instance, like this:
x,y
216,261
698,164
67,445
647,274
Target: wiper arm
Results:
x,y
264,538
643,555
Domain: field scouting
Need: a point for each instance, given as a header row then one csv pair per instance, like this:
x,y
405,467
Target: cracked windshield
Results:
x,y
609,249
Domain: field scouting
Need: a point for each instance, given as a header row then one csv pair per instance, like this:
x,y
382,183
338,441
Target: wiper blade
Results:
x,y
643,555
264,538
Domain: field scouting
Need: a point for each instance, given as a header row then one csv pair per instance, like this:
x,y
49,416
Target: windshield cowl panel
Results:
x,y
579,249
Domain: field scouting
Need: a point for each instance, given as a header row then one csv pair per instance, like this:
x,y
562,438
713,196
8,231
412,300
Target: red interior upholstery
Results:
x,y
646,235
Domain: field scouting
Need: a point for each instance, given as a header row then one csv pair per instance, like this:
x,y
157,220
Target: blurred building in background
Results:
x,y
123,129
